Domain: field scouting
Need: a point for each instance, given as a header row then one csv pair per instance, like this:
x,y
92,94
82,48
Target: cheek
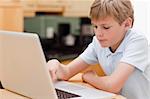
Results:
x,y
113,37
116,36
97,32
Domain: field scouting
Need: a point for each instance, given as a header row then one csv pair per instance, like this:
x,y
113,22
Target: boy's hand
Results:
x,y
53,66
57,70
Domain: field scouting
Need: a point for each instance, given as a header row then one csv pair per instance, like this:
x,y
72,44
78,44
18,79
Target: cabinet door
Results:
x,y
11,17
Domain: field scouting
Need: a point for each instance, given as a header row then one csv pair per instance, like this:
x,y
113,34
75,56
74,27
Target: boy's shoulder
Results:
x,y
134,36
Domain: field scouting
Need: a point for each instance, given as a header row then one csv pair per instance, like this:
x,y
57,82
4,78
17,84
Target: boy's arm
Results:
x,y
60,71
112,83
74,67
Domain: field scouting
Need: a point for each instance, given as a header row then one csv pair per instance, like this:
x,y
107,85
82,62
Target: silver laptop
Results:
x,y
23,70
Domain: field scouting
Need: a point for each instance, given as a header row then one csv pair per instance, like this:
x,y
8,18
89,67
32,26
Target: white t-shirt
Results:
x,y
133,50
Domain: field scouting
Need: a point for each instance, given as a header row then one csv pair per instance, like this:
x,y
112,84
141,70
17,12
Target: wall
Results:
x,y
142,17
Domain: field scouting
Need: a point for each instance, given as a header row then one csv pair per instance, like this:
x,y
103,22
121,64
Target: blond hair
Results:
x,y
120,10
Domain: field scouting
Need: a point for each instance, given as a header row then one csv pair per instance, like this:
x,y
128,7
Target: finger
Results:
x,y
83,80
53,75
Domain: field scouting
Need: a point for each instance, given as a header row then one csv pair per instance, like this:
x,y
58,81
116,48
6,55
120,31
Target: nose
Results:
x,y
99,32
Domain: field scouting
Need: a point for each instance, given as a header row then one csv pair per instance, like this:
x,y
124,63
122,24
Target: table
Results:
x,y
6,94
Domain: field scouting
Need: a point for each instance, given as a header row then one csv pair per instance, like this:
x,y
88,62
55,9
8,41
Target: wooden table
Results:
x,y
5,94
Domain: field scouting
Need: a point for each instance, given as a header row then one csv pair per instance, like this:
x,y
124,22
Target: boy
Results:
x,y
122,52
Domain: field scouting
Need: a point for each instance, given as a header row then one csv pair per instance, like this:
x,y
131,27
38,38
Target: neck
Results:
x,y
114,47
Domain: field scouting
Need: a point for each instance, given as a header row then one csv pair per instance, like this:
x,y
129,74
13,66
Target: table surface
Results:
x,y
6,94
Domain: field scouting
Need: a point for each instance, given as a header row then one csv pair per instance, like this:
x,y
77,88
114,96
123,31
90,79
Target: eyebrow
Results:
x,y
103,24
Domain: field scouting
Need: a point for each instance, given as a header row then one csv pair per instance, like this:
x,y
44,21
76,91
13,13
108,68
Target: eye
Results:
x,y
95,26
107,27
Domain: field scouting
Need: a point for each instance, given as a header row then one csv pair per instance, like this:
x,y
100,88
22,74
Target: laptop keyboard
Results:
x,y
65,95
1,87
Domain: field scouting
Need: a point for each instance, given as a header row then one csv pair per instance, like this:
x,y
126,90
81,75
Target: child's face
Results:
x,y
109,32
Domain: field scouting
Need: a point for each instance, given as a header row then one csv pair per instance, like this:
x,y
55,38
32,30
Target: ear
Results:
x,y
128,23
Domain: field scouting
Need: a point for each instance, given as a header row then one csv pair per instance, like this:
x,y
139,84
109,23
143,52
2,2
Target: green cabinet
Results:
x,y
40,24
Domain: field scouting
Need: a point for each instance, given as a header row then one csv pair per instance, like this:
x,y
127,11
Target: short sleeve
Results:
x,y
89,54
136,53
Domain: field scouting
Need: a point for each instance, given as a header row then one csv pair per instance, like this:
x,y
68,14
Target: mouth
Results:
x,y
102,40
103,43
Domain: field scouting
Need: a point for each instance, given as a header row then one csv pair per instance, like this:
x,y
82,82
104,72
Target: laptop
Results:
x,y
23,70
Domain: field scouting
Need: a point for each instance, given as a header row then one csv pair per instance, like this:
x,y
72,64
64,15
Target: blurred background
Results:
x,y
64,26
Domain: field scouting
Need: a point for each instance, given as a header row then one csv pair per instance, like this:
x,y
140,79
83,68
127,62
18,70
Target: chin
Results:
x,y
104,45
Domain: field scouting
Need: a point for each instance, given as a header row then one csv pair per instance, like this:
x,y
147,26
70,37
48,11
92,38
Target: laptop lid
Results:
x,y
22,63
